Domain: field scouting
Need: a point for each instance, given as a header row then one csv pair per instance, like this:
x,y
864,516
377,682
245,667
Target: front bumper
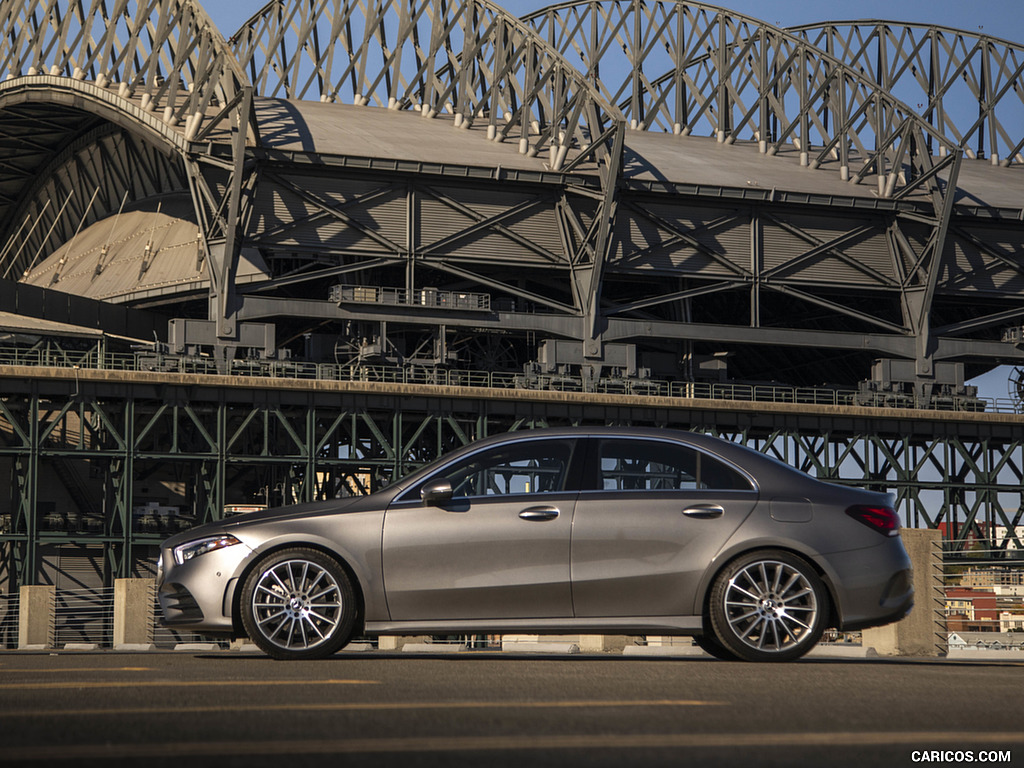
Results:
x,y
196,595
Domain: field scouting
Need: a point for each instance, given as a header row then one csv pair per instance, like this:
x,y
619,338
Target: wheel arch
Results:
x,y
726,559
263,554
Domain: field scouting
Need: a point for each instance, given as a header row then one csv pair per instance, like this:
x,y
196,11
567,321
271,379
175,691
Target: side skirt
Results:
x,y
619,625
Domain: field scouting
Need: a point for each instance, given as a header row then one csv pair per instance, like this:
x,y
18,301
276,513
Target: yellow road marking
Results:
x,y
368,707
172,684
521,742
99,670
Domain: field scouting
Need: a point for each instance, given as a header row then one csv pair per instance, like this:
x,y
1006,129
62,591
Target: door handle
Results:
x,y
704,511
539,514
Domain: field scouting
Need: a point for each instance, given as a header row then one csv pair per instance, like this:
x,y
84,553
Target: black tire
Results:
x,y
768,606
299,604
712,647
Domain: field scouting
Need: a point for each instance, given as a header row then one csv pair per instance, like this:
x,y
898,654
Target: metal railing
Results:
x,y
419,297
83,616
9,606
286,369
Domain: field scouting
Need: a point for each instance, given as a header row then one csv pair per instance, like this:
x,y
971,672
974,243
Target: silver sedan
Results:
x,y
589,530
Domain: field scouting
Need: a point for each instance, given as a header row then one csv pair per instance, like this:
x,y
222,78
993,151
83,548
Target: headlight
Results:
x,y
202,546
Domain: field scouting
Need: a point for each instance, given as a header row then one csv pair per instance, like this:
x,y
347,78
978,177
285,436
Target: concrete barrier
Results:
x,y
133,614
923,632
36,616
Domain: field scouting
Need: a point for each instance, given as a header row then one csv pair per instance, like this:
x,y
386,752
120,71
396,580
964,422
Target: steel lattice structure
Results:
x,y
600,195
966,85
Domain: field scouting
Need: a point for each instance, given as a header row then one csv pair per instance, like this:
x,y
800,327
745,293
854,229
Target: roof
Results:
x,y
391,134
150,249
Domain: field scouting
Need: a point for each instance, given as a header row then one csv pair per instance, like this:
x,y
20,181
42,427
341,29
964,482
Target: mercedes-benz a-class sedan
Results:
x,y
618,531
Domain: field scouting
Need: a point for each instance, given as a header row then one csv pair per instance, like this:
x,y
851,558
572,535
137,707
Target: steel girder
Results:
x,y
968,86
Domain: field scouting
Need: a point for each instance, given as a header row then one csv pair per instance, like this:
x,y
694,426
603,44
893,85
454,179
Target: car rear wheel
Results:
x,y
299,604
768,606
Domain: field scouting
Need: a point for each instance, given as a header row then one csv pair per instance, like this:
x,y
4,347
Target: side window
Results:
x,y
534,466
647,465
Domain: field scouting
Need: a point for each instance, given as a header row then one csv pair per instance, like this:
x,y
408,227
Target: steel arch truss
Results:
x,y
944,73
470,60
689,68
166,55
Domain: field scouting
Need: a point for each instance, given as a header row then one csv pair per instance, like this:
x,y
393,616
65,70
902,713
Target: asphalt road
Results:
x,y
231,709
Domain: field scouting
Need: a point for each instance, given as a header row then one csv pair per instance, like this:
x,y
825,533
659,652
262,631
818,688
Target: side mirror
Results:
x,y
436,493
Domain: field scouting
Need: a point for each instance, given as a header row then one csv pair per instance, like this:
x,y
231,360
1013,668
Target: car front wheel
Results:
x,y
298,604
768,606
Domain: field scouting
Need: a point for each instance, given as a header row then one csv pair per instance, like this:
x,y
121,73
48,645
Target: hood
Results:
x,y
295,511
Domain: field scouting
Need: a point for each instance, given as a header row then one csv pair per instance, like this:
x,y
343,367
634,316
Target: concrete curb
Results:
x,y
197,647
433,648
662,650
842,652
529,647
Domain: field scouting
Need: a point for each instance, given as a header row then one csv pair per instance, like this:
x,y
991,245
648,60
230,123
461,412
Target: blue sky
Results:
x,y
999,18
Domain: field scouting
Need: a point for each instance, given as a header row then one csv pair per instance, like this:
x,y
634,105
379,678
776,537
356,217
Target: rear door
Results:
x,y
656,513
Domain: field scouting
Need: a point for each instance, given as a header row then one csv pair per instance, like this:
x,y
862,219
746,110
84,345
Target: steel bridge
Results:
x,y
602,196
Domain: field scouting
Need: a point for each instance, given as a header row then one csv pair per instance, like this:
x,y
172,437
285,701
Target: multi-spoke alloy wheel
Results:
x,y
768,606
298,603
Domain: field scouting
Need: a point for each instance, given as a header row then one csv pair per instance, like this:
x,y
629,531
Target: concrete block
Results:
x,y
923,632
358,647
133,611
81,646
134,647
397,642
604,643
36,613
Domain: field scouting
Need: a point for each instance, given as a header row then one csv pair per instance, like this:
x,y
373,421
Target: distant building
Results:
x,y
971,610
985,641
992,576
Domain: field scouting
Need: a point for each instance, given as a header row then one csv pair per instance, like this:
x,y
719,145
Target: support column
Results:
x,y
36,607
923,632
133,614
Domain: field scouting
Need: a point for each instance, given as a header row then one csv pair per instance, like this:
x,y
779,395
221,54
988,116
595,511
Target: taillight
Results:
x,y
882,519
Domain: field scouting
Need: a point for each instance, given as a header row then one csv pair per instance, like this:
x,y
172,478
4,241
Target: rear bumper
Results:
x,y
872,586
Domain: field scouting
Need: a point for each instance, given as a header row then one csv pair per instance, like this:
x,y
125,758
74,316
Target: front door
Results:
x,y
499,549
